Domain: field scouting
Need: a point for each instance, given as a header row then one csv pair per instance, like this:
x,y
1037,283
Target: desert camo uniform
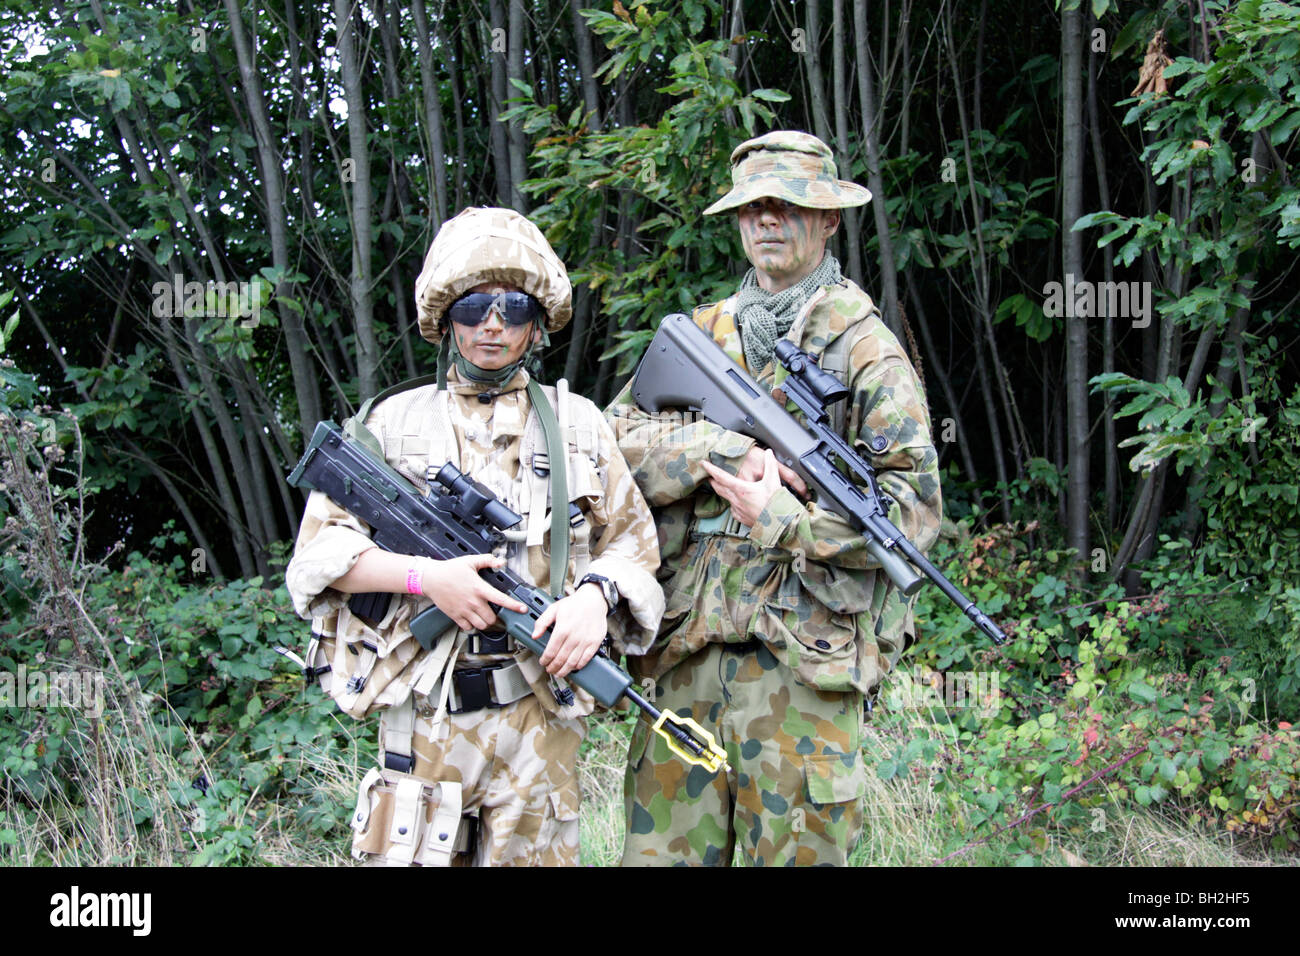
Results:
x,y
495,785
772,634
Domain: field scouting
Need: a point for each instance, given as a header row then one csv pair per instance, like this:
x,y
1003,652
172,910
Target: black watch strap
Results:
x,y
608,589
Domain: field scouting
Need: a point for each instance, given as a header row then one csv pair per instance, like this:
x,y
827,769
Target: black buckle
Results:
x,y
470,821
399,762
499,643
473,689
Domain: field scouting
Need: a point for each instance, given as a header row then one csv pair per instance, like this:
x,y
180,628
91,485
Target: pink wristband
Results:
x,y
414,581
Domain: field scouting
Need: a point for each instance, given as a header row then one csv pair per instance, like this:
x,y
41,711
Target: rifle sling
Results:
x,y
558,458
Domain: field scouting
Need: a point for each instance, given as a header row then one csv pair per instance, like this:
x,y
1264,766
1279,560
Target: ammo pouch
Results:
x,y
402,820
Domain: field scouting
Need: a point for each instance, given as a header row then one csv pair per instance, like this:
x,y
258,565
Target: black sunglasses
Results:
x,y
516,308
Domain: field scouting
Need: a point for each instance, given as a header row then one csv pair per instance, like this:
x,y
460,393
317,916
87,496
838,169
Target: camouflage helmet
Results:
x,y
787,164
490,245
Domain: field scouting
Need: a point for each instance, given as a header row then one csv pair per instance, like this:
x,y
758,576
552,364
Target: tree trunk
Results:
x,y
496,102
272,164
1110,442
361,292
586,66
945,384
816,82
1076,327
429,84
875,181
515,131
844,159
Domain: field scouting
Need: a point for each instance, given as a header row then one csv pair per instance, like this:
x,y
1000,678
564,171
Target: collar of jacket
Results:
x,y
460,386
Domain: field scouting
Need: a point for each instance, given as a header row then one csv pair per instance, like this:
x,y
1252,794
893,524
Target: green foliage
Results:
x,y
661,176
1099,701
239,734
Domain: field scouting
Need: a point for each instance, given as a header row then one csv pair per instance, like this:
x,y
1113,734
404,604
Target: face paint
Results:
x,y
782,241
492,344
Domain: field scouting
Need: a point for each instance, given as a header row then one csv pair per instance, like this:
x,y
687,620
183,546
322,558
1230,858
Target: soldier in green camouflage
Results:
x,y
778,621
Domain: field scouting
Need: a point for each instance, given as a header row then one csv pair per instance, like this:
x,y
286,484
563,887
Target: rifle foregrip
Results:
x,y
429,625
900,572
600,676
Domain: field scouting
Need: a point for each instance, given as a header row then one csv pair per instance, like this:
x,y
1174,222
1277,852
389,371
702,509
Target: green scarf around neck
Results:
x,y
764,317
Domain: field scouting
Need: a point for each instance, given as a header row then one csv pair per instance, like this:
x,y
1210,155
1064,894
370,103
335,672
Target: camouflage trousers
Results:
x,y
794,793
516,768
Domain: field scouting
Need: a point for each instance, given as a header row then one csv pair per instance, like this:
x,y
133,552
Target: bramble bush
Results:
x,y
1101,701
206,741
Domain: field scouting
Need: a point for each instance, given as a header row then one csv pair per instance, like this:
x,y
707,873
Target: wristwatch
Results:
x,y
608,589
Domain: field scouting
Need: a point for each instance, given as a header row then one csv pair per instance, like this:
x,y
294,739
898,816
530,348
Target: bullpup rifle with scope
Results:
x,y
685,369
460,516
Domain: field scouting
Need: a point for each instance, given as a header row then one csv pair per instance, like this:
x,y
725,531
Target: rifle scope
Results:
x,y
474,501
823,384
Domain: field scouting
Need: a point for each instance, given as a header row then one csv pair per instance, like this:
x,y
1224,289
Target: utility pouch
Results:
x,y
401,820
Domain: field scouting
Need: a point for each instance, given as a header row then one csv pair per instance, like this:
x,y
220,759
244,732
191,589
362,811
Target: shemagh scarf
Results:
x,y
764,317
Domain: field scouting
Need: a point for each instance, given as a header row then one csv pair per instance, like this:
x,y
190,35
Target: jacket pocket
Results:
x,y
834,778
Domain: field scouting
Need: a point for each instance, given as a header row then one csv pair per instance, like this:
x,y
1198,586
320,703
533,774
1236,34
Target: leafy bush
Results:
x,y
1099,701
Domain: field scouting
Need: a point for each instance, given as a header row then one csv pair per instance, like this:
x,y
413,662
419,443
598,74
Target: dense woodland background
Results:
x,y
1103,469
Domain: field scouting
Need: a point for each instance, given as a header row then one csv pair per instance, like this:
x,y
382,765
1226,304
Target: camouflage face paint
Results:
x,y
782,241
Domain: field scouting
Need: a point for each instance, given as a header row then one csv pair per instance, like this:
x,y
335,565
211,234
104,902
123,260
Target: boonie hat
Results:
x,y
790,165
490,245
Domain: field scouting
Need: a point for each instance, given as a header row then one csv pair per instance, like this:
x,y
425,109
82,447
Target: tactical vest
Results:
x,y
378,663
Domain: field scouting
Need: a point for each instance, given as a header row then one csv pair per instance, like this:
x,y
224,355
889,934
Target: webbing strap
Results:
x,y
355,427
557,458
361,816
835,359
397,731
509,684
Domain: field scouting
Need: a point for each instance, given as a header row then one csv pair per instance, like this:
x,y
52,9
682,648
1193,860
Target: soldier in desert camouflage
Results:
x,y
778,621
497,784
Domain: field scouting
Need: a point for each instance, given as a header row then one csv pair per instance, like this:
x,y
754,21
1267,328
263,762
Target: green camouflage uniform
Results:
x,y
511,770
773,634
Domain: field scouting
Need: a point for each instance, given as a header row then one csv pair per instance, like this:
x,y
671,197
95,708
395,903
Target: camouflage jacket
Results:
x,y
800,579
499,443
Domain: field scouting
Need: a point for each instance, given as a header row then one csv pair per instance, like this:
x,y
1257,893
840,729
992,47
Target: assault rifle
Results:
x,y
685,368
461,516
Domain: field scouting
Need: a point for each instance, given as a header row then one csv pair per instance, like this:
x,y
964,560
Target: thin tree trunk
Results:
x,y
515,131
816,82
875,181
1076,327
457,101
361,292
196,529
586,66
271,163
432,118
1108,322
496,103
945,384
840,91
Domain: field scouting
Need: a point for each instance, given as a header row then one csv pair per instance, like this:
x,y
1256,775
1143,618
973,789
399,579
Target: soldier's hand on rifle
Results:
x,y
747,498
462,595
580,626
751,469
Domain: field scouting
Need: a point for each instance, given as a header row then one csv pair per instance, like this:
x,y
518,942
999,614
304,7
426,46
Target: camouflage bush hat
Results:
x,y
786,164
490,245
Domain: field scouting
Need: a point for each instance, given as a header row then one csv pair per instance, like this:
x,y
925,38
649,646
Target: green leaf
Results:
x,y
1141,692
